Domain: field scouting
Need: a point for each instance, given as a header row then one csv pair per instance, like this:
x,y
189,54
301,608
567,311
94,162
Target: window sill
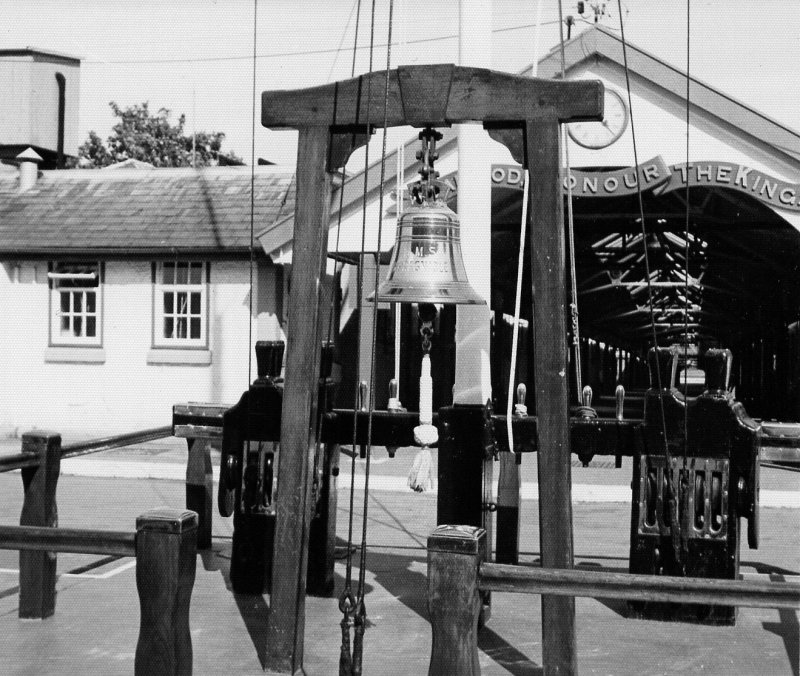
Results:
x,y
75,355
179,356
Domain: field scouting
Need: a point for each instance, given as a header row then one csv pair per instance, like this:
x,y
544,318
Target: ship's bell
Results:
x,y
426,264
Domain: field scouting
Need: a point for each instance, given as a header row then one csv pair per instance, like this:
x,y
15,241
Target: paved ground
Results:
x,y
95,626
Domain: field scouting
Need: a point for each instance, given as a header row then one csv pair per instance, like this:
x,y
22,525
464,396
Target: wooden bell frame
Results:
x,y
524,115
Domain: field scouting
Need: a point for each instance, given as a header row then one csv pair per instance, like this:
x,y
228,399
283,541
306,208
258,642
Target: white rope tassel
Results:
x,y
420,478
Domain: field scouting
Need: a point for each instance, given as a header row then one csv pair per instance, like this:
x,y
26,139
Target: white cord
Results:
x,y
517,302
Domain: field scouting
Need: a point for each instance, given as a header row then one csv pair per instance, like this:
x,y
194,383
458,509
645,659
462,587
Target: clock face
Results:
x,y
602,134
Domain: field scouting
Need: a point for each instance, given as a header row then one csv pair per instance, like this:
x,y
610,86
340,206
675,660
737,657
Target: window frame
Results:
x,y
159,313
56,272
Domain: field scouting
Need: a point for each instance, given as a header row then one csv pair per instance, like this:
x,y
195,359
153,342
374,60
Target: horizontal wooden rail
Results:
x,y
706,591
117,441
20,460
74,541
459,576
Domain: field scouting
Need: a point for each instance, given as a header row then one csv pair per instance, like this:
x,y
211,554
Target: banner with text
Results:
x,y
656,176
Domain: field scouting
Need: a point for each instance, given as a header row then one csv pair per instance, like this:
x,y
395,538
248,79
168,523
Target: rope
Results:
x,y
252,199
355,605
671,497
684,497
573,306
346,600
517,302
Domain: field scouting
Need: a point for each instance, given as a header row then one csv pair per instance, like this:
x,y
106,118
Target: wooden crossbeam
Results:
x,y
436,95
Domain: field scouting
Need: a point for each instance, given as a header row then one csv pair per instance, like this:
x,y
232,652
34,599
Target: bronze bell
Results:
x,y
426,264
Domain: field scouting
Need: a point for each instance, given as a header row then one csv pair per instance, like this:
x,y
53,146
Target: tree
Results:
x,y
153,138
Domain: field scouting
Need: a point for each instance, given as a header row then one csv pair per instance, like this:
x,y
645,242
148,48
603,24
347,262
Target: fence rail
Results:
x,y
68,540
9,463
704,591
459,576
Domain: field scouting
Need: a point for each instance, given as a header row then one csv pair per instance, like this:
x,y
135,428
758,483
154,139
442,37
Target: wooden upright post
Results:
x,y
166,560
200,488
550,374
37,570
286,622
455,554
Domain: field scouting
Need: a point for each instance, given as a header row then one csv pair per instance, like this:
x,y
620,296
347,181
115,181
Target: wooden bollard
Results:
x,y
37,570
200,488
455,554
166,553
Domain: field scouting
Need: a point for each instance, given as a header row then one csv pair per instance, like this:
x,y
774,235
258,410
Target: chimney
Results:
x,y
28,168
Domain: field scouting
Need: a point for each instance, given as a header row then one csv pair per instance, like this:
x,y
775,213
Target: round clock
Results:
x,y
601,134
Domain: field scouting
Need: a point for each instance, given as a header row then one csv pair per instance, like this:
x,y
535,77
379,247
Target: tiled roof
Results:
x,y
163,211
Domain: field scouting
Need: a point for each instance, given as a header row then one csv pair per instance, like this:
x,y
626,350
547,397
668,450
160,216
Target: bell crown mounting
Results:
x,y
426,264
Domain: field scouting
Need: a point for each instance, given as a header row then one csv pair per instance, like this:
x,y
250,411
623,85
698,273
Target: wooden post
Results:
x,y
286,621
508,510
550,374
322,543
37,570
455,554
166,556
200,488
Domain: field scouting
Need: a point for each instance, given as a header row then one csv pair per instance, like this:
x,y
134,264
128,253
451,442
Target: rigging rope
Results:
x,y
353,607
684,504
252,199
671,494
573,307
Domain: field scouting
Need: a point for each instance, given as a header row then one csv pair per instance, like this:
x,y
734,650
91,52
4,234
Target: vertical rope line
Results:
x,y
686,247
667,459
355,40
252,198
512,372
362,565
517,303
336,262
571,233
359,292
341,42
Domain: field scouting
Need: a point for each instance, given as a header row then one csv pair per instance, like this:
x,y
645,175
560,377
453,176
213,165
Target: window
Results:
x,y
180,305
75,303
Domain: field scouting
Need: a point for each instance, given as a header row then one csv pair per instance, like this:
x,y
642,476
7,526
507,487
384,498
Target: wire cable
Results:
x,y
671,498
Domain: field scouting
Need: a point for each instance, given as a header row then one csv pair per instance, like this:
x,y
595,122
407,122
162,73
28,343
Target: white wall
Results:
x,y
124,393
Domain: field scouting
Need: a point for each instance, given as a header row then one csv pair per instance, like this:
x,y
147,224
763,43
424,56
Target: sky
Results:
x,y
196,56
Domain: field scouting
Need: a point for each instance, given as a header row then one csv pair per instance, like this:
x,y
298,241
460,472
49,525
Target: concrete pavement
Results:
x,y
95,626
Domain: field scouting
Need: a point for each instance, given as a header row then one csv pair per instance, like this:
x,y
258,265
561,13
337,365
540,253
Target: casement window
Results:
x,y
75,303
180,304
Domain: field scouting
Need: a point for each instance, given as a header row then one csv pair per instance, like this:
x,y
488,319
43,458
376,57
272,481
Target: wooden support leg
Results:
x,y
508,513
550,374
166,556
322,541
455,554
286,621
465,475
37,570
200,488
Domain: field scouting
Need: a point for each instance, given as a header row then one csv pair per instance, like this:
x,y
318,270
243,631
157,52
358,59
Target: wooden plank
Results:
x,y
286,621
550,380
438,95
661,588
37,570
